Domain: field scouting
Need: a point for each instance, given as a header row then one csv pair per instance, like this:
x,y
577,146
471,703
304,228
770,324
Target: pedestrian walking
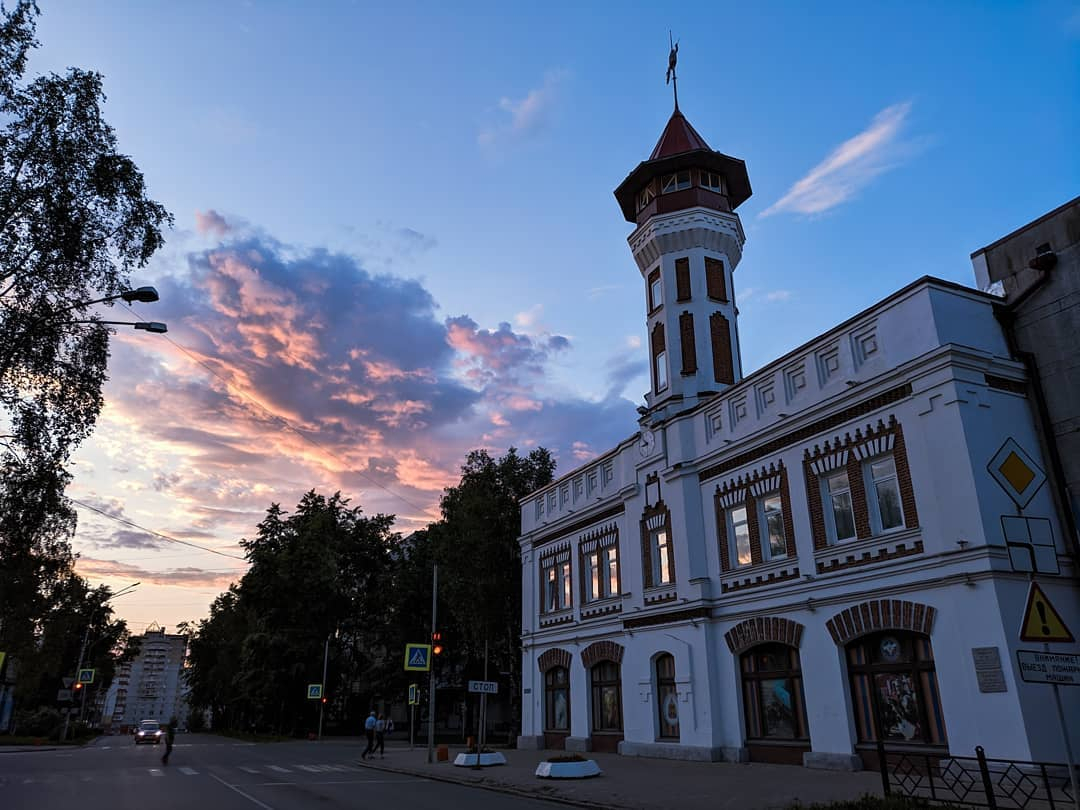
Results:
x,y
369,731
380,736
170,738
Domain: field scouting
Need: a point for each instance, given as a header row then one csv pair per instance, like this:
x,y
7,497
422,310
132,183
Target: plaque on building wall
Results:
x,y
988,670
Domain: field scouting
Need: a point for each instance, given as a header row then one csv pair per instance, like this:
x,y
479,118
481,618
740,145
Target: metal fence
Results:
x,y
978,781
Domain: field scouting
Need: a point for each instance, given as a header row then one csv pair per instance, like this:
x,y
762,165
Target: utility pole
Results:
x,y
322,701
431,661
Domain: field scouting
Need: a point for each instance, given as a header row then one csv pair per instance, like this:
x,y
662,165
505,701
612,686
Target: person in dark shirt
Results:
x,y
170,737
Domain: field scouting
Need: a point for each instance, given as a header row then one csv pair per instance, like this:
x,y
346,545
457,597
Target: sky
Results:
x,y
396,241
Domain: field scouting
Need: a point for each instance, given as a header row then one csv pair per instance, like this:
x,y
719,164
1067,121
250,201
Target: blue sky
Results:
x,y
462,161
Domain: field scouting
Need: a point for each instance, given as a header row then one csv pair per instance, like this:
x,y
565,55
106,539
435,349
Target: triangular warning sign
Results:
x,y
418,657
1041,622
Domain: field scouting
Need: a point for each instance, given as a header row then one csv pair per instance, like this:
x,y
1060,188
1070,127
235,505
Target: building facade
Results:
x,y
151,687
790,565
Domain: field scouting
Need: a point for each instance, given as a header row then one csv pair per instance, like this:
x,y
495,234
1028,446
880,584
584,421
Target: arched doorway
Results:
x,y
556,707
667,698
555,668
607,720
774,705
894,691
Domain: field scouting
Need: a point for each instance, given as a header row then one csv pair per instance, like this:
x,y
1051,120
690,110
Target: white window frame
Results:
x,y
655,547
646,196
671,182
656,293
558,574
763,522
661,370
734,536
706,182
827,507
601,565
872,502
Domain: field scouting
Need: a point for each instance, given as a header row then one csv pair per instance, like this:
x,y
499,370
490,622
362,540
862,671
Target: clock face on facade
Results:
x,y
647,443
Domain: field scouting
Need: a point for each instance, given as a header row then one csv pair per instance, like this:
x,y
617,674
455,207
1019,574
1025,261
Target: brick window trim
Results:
x,y
763,630
682,279
753,519
854,469
550,556
549,659
659,509
880,614
602,651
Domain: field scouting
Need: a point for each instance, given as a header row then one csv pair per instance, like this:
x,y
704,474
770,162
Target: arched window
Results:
x,y
606,697
773,694
667,697
557,700
894,688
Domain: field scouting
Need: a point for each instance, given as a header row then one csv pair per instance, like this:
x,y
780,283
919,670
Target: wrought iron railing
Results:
x,y
978,781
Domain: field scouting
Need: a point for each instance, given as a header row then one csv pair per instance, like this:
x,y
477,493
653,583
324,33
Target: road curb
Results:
x,y
495,787
31,750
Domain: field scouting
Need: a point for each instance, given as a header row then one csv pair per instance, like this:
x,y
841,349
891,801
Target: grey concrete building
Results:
x,y
1037,270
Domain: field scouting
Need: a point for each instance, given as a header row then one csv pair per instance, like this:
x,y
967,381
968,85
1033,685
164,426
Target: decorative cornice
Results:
x,y
584,523
670,617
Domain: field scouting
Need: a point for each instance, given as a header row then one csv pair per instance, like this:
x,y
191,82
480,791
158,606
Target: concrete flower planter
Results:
x,y
469,760
581,769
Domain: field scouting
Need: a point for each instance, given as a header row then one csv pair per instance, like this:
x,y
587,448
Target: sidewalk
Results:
x,y
645,784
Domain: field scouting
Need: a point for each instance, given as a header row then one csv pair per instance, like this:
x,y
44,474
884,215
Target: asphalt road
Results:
x,y
213,773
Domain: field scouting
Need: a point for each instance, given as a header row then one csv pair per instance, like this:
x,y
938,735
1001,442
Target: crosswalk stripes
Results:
x,y
279,769
188,771
247,769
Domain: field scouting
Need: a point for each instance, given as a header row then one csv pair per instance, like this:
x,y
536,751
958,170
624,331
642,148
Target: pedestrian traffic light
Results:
x,y
78,687
436,644
324,700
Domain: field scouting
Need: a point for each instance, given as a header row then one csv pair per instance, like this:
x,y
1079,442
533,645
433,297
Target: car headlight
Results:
x,y
142,733
158,733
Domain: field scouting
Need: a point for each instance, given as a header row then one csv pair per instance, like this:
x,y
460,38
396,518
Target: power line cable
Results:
x,y
156,534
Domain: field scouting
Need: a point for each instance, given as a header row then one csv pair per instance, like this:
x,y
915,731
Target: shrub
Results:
x,y
567,758
44,721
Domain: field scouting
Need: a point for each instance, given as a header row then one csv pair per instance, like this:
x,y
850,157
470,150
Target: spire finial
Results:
x,y
672,60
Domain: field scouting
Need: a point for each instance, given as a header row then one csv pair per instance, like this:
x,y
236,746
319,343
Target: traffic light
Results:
x,y
78,688
324,700
436,644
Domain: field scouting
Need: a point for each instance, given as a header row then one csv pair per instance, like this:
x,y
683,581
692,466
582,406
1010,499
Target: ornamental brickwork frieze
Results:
x,y
763,630
602,651
880,614
550,659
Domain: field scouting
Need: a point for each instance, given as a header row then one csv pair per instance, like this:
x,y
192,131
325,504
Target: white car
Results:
x,y
149,731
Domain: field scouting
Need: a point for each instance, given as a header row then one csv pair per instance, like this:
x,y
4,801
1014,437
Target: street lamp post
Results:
x,y
82,652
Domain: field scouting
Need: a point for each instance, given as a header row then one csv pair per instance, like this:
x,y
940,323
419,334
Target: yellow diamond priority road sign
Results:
x,y
1041,622
1016,472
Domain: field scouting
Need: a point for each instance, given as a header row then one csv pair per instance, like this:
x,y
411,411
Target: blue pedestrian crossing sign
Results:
x,y
86,675
314,691
414,694
418,657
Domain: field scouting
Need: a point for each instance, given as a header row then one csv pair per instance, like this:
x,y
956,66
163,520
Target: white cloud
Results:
x,y
850,167
530,317
527,116
778,295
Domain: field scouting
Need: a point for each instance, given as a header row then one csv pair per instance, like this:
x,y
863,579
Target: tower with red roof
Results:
x,y
687,243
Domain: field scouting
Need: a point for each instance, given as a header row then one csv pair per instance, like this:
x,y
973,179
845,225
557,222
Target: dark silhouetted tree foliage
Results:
x,y
75,220
318,573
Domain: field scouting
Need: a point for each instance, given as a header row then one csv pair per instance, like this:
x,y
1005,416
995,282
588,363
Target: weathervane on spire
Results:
x,y
672,60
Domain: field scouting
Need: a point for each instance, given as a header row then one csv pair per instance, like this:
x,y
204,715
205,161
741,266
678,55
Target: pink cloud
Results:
x,y
211,223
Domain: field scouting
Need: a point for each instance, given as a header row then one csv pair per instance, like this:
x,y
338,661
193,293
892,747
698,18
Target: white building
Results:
x,y
151,687
785,566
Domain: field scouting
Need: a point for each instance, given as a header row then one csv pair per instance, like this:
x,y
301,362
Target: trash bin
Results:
x,y
442,753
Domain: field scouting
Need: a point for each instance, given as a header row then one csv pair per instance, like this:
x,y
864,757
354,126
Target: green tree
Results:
x,y
476,545
75,220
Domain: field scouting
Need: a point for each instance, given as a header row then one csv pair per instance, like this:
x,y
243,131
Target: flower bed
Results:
x,y
571,766
487,757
